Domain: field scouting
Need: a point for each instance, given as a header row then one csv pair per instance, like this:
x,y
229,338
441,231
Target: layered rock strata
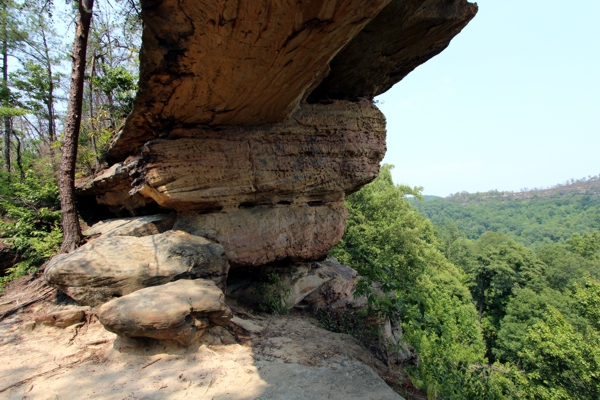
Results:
x,y
233,62
114,266
322,153
220,124
242,118
266,193
181,311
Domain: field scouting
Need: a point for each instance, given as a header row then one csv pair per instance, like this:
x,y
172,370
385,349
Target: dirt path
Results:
x,y
257,357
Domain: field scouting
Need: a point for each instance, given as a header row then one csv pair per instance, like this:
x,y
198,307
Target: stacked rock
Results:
x,y
253,122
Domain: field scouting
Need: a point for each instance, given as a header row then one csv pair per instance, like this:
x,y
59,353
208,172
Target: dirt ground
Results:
x,y
257,356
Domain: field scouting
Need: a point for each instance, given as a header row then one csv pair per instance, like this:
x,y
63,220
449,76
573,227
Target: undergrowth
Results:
x,y
273,294
30,223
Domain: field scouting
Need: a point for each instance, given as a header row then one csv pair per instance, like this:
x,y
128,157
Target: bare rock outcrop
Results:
x,y
181,311
322,153
264,234
114,266
254,121
406,34
234,63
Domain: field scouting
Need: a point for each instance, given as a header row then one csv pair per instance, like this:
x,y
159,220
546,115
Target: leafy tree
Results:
x,y
30,222
565,267
586,245
561,363
525,309
390,243
587,300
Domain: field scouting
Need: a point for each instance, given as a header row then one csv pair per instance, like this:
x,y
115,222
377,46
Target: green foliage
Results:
x,y
273,294
565,267
120,85
30,223
586,245
561,363
534,218
394,248
587,301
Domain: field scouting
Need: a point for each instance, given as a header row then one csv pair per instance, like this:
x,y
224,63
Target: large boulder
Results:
x,y
179,311
263,234
234,63
114,266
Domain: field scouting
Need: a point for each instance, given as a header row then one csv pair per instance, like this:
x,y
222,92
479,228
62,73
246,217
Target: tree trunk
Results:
x,y
50,103
92,127
7,124
72,236
20,159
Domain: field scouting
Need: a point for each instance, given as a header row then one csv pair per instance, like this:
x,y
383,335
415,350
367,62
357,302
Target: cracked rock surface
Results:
x,y
114,266
181,311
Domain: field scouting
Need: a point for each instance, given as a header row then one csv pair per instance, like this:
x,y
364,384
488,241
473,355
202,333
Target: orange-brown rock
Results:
x,y
321,153
242,122
264,234
403,36
181,311
233,62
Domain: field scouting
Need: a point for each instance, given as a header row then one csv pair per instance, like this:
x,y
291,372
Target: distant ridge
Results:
x,y
585,186
534,217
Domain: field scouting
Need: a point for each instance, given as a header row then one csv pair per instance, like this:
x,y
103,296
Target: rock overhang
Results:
x,y
260,115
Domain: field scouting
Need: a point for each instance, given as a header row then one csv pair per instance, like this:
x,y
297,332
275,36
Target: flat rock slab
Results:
x,y
179,311
114,266
136,226
346,380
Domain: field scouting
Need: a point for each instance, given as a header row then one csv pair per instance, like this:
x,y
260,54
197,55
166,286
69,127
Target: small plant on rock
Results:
x,y
274,295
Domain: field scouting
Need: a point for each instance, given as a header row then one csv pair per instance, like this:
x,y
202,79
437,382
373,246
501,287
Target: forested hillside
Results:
x,y
490,317
533,217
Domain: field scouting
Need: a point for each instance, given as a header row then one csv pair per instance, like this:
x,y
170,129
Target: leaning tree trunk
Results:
x,y
7,124
71,230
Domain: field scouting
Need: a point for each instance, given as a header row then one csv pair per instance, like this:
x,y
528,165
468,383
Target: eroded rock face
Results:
x,y
179,311
234,62
316,285
322,153
403,36
114,266
242,122
264,234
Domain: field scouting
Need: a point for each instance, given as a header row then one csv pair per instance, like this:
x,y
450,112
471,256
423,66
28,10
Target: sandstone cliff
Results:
x,y
252,123
262,114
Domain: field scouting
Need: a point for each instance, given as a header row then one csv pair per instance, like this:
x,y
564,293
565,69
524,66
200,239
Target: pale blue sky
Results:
x,y
512,103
